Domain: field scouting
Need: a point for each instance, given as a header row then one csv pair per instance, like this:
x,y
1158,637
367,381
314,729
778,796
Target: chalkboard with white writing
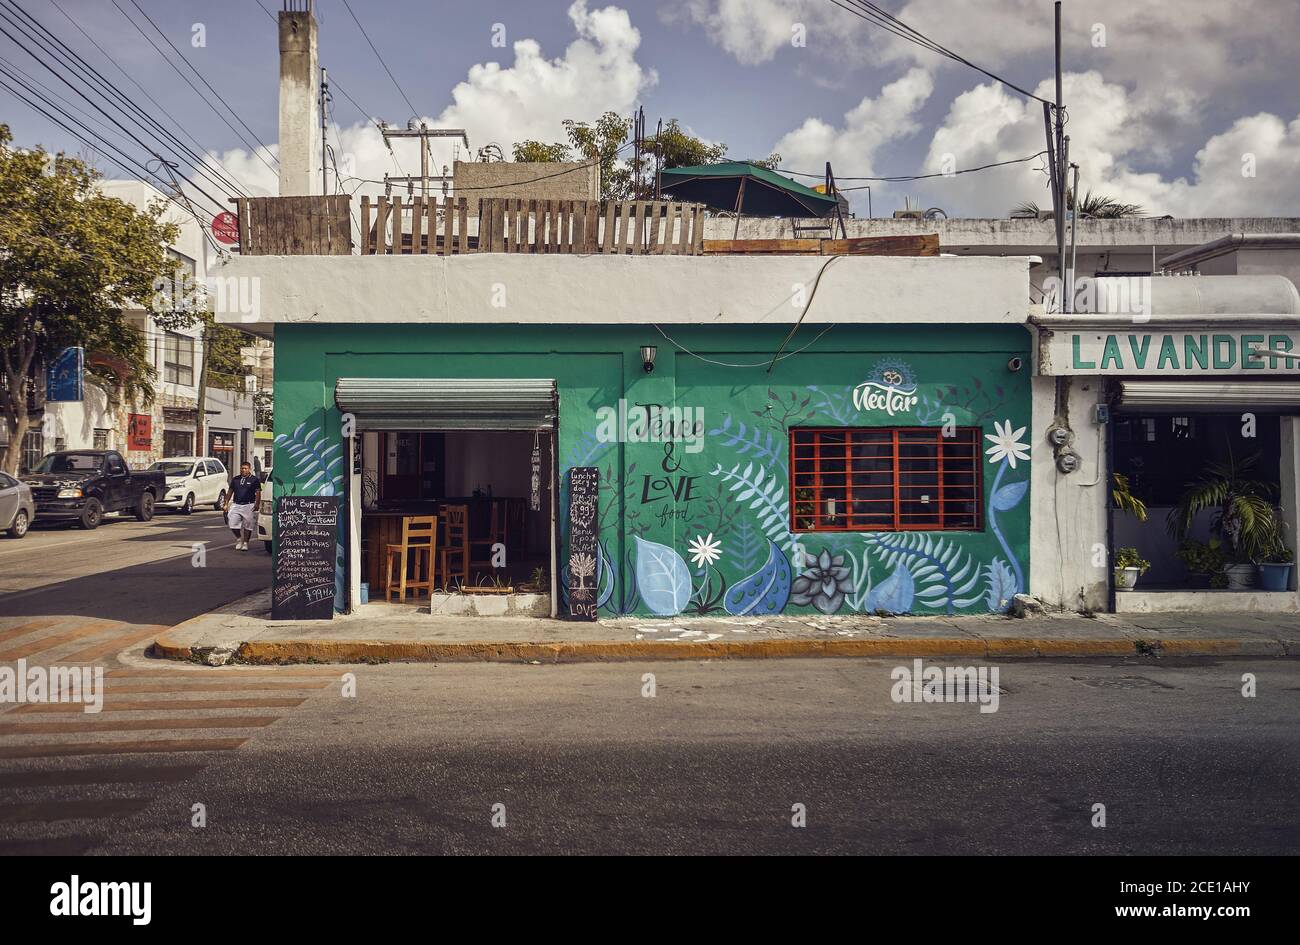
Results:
x,y
584,530
306,531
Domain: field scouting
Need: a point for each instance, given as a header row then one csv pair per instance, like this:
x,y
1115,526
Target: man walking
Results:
x,y
241,505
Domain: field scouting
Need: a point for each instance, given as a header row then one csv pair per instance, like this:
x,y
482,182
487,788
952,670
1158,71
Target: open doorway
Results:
x,y
492,492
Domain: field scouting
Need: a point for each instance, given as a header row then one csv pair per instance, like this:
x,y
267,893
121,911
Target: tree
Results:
x,y
602,141
71,260
226,367
537,152
1097,206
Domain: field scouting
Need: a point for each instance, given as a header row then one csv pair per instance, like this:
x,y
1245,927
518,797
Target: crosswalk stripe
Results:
x,y
165,705
160,746
100,650
30,627
49,811
211,687
135,725
42,644
119,774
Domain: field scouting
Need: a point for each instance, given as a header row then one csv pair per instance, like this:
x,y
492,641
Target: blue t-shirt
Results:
x,y
243,489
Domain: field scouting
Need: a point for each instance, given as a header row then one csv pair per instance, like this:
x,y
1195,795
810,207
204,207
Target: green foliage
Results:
x,y
672,146
71,260
1125,500
538,152
1201,557
226,368
1097,206
1129,558
1244,517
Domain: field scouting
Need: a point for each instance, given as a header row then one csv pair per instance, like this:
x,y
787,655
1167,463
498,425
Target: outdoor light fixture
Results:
x,y
648,353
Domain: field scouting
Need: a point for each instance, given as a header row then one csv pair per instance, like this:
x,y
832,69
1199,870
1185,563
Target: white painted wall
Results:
x,y
525,289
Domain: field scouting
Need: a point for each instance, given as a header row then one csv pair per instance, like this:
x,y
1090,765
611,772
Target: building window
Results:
x,y
178,359
33,449
101,439
886,479
178,443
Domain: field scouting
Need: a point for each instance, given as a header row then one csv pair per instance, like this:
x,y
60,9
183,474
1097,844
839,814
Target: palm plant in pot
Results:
x,y
1276,563
1129,566
1242,513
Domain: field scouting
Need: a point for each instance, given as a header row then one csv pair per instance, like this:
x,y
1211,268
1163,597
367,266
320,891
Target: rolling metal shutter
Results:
x,y
437,403
1211,396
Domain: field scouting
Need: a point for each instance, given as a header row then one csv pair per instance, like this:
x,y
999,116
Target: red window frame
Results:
x,y
886,479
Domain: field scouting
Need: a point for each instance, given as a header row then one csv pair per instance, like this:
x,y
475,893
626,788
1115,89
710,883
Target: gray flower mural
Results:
x,y
823,584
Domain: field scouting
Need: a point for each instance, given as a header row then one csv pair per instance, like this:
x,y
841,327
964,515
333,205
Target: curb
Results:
x,y
370,651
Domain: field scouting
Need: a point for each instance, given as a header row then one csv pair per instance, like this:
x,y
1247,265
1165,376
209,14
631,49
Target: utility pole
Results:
x,y
324,147
1061,165
424,133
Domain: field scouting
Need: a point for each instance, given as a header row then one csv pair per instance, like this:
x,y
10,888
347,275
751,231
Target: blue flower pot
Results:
x,y
1274,577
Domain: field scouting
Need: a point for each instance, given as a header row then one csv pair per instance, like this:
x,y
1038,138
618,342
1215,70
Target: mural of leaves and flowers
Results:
x,y
946,572
823,583
1007,448
705,552
663,578
764,592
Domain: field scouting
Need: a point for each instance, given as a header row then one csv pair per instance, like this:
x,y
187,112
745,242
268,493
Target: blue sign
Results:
x,y
63,381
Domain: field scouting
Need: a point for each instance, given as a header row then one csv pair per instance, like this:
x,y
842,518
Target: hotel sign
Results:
x,y
1187,352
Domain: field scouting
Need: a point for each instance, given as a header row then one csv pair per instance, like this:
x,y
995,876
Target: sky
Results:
x,y
1184,107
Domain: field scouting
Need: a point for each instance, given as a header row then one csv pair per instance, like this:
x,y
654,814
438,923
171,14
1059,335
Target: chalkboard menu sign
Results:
x,y
584,488
306,530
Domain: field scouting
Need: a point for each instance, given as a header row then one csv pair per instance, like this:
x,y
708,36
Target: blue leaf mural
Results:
x,y
766,495
894,594
1000,584
1009,496
662,577
764,592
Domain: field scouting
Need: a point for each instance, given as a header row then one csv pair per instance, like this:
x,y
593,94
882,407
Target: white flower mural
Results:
x,y
1006,444
705,550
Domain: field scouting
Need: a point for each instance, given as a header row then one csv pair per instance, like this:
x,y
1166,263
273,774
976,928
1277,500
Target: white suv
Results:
x,y
191,481
265,522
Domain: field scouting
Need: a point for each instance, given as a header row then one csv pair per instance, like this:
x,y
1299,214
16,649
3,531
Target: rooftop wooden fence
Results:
x,y
428,226
295,226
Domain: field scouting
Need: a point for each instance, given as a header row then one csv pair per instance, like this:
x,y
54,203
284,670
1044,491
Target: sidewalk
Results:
x,y
244,632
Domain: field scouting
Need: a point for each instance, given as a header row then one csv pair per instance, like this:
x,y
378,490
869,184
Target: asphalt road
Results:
x,y
713,763
132,573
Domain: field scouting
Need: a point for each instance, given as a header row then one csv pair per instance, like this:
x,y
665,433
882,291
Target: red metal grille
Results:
x,y
886,479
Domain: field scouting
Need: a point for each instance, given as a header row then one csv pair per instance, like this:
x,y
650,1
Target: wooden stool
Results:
x,y
420,540
455,543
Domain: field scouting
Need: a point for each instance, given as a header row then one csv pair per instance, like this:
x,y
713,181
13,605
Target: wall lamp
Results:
x,y
648,353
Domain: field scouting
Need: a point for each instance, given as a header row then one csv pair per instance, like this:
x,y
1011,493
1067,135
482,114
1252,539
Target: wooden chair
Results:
x,y
480,549
420,542
455,544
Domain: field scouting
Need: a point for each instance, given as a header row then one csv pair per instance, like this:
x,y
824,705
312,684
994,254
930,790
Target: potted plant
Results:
x,y
1205,562
1129,566
1276,563
1243,516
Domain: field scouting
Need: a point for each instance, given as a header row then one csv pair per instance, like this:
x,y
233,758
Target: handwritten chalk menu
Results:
x,y
584,488
306,530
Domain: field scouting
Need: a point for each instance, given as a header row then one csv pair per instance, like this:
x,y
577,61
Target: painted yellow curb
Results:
x,y
361,651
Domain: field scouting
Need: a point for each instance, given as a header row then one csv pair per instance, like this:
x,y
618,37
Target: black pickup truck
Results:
x,y
84,485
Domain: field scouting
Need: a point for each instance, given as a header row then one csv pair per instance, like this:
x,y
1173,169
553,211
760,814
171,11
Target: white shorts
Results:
x,y
242,517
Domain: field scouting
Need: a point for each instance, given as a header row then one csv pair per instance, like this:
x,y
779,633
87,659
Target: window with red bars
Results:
x,y
886,479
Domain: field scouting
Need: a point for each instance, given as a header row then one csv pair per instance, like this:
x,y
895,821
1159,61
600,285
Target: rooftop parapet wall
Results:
x,y
258,292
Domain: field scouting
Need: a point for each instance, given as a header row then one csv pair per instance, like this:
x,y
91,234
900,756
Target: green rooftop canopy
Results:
x,y
745,188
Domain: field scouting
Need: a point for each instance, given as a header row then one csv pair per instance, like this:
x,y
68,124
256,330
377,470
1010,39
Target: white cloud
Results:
x,y
528,98
869,125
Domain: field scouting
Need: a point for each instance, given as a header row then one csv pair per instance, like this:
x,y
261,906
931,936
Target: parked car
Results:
x,y
265,511
191,481
16,506
85,485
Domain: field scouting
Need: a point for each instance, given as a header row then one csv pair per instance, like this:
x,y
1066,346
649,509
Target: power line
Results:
x,y
235,184
414,112
48,42
61,78
899,178
871,13
214,108
202,79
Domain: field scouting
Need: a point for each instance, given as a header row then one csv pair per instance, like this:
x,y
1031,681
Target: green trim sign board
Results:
x,y
1171,352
